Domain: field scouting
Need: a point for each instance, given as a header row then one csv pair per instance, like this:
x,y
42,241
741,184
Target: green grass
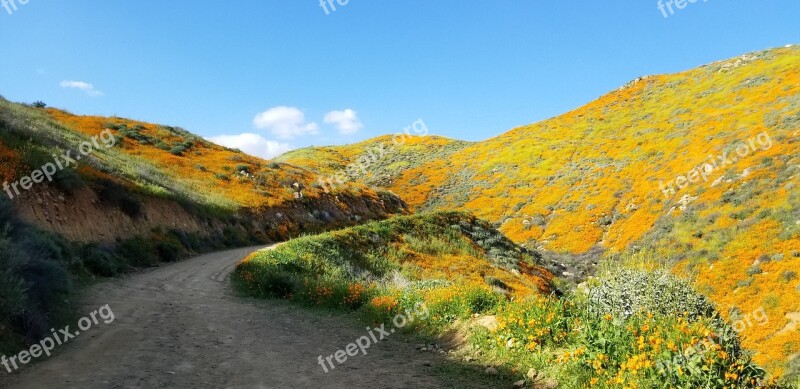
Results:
x,y
673,338
372,254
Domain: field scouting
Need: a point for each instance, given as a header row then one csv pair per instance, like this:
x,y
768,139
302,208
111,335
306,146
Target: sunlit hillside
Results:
x,y
90,197
597,177
168,159
385,158
487,297
446,250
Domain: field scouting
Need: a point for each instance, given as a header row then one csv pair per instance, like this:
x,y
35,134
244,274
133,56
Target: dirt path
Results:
x,y
180,326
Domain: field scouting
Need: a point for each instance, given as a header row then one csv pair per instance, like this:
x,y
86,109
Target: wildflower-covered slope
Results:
x,y
597,176
447,249
133,195
591,176
389,157
169,159
153,176
630,328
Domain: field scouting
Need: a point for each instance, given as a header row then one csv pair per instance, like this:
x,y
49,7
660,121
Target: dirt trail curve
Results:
x,y
180,326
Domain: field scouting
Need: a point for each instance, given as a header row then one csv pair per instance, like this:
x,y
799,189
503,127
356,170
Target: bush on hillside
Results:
x,y
139,251
102,261
116,195
68,180
181,148
792,377
13,296
625,292
169,247
34,280
645,349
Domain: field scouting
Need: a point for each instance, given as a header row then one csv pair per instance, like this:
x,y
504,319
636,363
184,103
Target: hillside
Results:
x,y
392,159
87,197
601,179
162,167
444,249
454,278
698,170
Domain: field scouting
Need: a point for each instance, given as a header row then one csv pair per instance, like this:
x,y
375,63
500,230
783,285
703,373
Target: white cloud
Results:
x,y
346,121
86,87
285,122
252,144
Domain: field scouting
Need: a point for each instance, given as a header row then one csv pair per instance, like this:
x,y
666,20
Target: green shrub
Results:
x,y
168,247
34,281
277,284
13,296
482,301
496,283
625,292
788,276
792,377
132,133
181,148
139,252
161,145
68,180
630,316
235,237
102,262
644,349
753,270
116,195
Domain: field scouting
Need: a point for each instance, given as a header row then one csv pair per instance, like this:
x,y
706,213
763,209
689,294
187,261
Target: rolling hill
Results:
x,y
87,197
453,278
698,169
163,167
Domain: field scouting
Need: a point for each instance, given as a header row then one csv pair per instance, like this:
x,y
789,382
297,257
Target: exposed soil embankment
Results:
x,y
85,216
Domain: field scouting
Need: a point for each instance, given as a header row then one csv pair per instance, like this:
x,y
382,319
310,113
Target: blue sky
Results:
x,y
276,70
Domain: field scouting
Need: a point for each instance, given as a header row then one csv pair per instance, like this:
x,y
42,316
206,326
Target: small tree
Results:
x,y
39,104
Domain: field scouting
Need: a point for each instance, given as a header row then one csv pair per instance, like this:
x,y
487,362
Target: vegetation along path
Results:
x,y
182,326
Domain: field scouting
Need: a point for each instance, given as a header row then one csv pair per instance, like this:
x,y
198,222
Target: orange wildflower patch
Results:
x,y
385,303
9,164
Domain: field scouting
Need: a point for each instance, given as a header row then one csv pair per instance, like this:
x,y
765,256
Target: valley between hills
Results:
x,y
648,238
